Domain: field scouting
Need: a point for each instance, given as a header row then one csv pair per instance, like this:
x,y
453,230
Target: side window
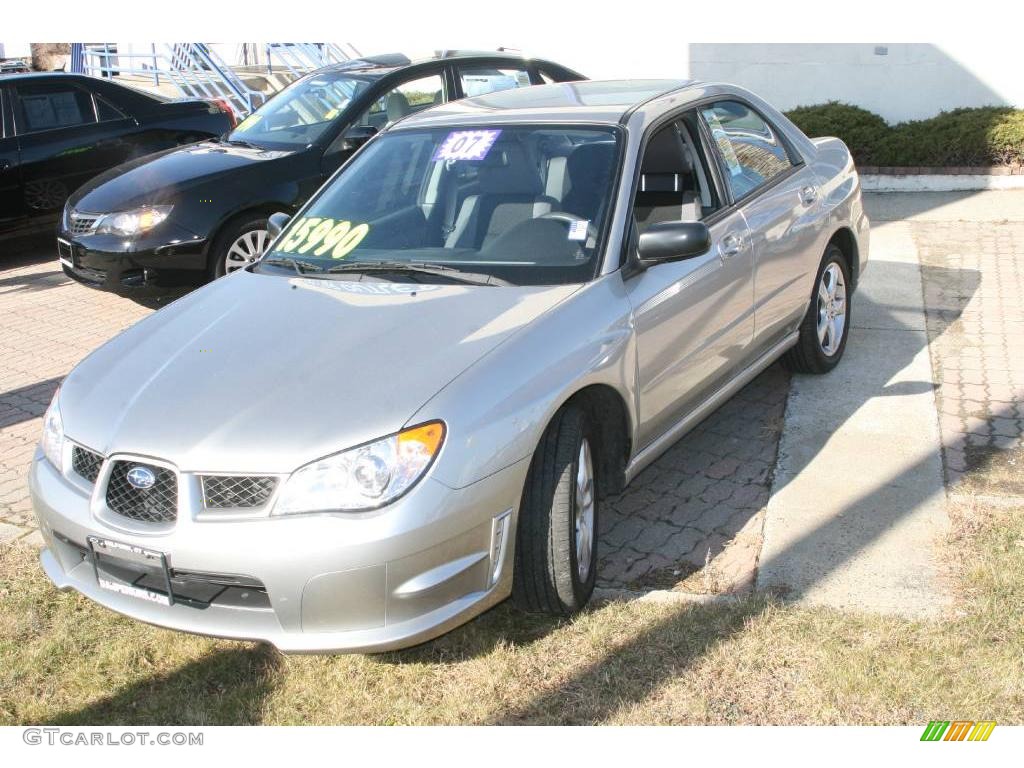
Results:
x,y
409,97
107,111
476,81
674,179
43,107
751,153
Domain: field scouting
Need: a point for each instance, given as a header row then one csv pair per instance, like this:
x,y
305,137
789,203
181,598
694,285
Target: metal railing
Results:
x,y
300,58
192,68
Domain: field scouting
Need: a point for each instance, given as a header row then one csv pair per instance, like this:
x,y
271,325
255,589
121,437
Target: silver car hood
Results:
x,y
263,373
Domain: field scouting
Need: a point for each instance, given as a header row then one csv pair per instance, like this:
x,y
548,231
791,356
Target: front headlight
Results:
x,y
366,477
134,222
53,433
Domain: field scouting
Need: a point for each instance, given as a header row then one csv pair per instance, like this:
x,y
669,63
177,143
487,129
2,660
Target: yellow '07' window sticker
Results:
x,y
312,234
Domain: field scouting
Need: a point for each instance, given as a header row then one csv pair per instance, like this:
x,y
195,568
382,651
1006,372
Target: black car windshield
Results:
x,y
299,114
523,204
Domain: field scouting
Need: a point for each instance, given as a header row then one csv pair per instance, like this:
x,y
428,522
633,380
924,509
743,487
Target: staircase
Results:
x,y
194,70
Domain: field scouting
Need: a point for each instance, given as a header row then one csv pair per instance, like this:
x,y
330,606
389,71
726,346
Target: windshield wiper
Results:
x,y
419,267
300,267
242,143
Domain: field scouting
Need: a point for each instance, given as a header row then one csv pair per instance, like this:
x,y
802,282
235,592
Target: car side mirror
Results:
x,y
673,241
276,223
356,136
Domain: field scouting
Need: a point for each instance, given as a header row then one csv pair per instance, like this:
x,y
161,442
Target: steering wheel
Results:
x,y
570,218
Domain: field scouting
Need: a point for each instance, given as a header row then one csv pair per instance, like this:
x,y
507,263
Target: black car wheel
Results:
x,y
240,243
556,538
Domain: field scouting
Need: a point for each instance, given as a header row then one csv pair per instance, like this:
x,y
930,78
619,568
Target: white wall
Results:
x,y
912,81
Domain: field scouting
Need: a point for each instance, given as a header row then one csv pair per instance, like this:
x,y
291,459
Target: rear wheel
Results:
x,y
240,243
826,326
556,539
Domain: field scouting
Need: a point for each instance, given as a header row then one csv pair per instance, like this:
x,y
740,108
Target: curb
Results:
x,y
661,597
939,182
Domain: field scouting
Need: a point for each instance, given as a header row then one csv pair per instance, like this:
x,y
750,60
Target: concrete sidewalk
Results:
x,y
858,503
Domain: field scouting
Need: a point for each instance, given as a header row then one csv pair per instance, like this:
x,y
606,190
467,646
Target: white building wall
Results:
x,y
899,81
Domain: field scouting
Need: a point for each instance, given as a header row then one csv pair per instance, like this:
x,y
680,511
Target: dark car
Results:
x,y
59,130
177,219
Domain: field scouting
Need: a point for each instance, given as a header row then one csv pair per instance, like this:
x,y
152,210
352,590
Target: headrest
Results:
x,y
508,171
666,154
590,163
398,105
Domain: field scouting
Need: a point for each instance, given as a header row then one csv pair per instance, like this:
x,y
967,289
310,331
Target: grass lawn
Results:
x,y
64,660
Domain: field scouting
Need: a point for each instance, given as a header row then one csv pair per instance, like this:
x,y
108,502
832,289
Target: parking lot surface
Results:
x,y
693,520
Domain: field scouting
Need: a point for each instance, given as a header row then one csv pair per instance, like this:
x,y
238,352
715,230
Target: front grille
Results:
x,y
237,491
86,463
82,223
156,504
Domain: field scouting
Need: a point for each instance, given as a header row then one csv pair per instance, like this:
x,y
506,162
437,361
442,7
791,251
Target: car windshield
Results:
x,y
519,204
301,112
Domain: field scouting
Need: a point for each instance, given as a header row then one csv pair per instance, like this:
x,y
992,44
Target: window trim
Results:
x,y
96,99
19,112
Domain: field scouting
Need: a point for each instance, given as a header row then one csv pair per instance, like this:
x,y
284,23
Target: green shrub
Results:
x,y
860,129
961,137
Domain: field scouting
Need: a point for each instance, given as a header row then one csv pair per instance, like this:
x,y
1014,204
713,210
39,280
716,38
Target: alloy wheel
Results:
x,y
246,250
584,511
831,309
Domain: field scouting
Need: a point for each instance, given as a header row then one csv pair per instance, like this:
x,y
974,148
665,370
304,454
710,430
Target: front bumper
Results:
x,y
334,582
163,263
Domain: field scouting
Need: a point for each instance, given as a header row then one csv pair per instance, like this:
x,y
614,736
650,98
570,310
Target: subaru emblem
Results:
x,y
141,478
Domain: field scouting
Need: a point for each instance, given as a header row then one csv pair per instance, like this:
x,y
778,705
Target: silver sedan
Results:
x,y
491,318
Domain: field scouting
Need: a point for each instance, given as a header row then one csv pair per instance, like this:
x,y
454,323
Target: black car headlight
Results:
x,y
133,222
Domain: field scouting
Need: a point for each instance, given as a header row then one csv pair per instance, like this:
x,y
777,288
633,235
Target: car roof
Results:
x,y
594,101
390,62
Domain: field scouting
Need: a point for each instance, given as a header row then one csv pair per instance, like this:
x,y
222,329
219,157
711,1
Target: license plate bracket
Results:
x,y
149,559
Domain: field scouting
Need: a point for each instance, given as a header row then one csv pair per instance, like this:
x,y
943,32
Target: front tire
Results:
x,y
556,539
240,243
826,325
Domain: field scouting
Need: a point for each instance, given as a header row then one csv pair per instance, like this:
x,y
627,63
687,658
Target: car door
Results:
x,y
11,204
420,89
693,318
777,193
57,134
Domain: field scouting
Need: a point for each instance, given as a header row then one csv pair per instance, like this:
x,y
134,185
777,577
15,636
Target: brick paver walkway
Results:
x,y
679,514
47,324
973,283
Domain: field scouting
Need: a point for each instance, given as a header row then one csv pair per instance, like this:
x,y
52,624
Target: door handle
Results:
x,y
730,246
808,195
4,165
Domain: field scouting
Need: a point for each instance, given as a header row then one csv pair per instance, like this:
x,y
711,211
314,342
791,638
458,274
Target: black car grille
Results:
x,y
156,504
237,491
82,223
86,463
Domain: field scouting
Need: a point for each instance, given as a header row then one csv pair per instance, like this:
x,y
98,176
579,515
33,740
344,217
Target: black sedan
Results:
x,y
59,130
175,220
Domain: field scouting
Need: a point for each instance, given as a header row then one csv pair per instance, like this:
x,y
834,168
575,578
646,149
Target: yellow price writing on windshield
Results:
x,y
316,235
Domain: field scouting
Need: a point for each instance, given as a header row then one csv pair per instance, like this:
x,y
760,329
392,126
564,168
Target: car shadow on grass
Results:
x,y
227,686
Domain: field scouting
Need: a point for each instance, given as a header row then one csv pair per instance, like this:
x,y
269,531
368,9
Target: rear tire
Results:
x,y
826,326
556,538
238,244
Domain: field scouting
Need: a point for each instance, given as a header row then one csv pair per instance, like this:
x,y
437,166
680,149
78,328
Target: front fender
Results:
x,y
497,410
